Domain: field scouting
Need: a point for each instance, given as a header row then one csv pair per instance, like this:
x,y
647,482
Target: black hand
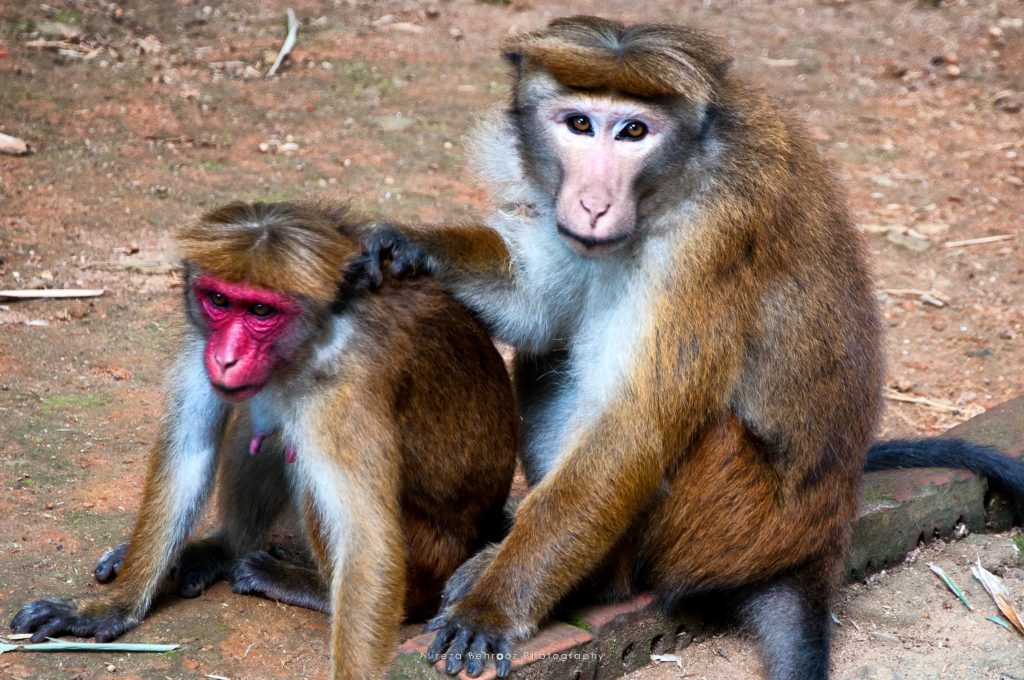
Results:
x,y
52,617
458,641
386,243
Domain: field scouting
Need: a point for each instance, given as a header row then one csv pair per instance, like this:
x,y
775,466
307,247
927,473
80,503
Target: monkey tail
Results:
x,y
1002,471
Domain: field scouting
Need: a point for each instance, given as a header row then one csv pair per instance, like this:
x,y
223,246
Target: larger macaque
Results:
x,y
389,417
699,362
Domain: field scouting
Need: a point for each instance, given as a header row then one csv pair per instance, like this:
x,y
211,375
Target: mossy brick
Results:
x,y
558,652
627,633
410,660
1003,428
902,507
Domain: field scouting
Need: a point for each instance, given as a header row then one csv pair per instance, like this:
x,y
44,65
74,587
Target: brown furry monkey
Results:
x,y
390,419
699,361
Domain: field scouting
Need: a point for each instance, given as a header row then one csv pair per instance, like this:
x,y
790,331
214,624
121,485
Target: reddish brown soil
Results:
x,y
147,117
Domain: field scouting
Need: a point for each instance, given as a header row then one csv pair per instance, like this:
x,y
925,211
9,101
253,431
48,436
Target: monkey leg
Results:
x,y
260,573
252,491
725,525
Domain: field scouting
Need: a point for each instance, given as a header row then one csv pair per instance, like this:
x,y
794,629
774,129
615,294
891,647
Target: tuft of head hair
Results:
x,y
643,60
289,247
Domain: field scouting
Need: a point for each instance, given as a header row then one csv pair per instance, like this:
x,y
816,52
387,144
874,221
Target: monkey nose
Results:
x,y
224,362
594,215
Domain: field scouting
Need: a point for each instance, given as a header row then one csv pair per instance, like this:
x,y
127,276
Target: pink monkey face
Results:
x,y
250,329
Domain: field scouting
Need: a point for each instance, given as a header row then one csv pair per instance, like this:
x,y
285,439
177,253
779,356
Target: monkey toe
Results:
x,y
109,564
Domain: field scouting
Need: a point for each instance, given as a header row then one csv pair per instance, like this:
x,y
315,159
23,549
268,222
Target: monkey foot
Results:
x,y
202,563
109,564
260,573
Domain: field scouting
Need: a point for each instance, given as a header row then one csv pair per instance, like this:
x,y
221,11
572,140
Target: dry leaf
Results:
x,y
999,593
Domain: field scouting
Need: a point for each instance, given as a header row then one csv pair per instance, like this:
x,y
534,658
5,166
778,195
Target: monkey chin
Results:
x,y
238,394
591,247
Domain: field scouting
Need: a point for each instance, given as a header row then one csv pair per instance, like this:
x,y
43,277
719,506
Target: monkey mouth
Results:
x,y
236,394
588,246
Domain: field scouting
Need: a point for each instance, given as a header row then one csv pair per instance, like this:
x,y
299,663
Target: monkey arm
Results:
x,y
178,482
367,590
475,265
351,515
562,529
451,252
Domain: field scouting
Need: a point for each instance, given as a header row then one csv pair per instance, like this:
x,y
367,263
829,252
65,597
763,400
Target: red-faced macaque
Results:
x,y
699,362
388,418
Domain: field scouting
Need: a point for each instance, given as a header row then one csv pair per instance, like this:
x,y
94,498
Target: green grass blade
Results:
x,y
954,588
64,646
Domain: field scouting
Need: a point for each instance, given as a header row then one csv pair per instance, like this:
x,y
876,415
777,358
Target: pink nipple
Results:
x,y
256,443
289,454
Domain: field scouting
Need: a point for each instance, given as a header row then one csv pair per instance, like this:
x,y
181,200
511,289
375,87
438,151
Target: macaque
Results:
x,y
698,349
389,419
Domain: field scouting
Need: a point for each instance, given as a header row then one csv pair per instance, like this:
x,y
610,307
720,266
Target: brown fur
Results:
x,y
414,419
289,247
642,60
729,457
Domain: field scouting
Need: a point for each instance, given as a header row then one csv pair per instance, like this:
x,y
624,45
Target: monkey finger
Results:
x,y
440,643
476,655
457,650
503,657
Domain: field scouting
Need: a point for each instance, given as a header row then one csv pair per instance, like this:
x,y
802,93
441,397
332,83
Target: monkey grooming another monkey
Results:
x,y
395,411
699,362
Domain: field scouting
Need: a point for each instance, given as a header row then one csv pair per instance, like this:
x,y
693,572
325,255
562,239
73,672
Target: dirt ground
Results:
x,y
143,114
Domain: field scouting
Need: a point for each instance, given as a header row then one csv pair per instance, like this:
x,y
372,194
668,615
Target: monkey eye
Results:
x,y
218,299
579,125
261,310
632,131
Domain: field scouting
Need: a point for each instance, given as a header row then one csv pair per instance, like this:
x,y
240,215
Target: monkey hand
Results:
x,y
462,635
85,617
385,243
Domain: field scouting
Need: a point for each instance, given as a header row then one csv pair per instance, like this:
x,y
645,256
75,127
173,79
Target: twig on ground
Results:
x,y
924,401
289,43
979,241
930,297
53,293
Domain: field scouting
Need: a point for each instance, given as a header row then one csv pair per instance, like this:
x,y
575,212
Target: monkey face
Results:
x,y
251,331
601,145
